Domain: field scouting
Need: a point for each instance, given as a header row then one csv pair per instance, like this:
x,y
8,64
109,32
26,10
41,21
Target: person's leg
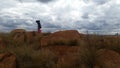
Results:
x,y
39,30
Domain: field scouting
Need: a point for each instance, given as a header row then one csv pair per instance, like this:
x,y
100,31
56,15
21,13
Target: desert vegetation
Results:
x,y
63,49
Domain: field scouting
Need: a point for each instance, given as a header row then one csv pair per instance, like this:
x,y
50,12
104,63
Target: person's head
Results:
x,y
37,21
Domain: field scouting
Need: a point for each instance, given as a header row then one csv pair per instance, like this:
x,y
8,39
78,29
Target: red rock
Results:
x,y
18,35
71,58
68,34
17,32
2,45
59,50
22,36
107,59
7,60
60,37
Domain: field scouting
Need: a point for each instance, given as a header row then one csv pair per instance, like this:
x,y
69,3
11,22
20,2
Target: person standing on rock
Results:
x,y
39,25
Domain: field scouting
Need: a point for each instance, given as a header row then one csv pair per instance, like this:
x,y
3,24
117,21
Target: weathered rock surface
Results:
x,y
2,45
69,57
7,60
60,37
17,31
22,36
107,59
18,35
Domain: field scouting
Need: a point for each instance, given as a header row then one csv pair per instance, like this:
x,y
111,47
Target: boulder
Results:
x,y
31,36
68,34
22,36
2,45
71,58
59,50
18,35
7,60
107,59
17,31
61,38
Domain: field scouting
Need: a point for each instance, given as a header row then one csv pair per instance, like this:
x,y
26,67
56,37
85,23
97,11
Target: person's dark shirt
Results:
x,y
38,22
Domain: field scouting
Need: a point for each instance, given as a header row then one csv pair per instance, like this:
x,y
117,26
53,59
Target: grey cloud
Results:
x,y
45,1
50,25
101,1
7,4
85,16
10,24
96,16
42,1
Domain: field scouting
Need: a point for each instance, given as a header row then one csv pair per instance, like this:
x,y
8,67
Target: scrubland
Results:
x,y
64,49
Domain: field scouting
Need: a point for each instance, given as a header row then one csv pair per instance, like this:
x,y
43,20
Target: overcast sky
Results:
x,y
93,15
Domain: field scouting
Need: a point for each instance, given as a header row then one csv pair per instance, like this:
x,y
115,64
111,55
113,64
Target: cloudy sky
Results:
x,y
97,16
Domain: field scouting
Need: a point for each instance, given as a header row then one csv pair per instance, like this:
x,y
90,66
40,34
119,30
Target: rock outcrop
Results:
x,y
17,31
107,59
2,45
7,60
18,35
22,36
70,58
61,38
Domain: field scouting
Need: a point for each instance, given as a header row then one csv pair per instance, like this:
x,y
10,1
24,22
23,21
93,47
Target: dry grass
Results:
x,y
29,55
